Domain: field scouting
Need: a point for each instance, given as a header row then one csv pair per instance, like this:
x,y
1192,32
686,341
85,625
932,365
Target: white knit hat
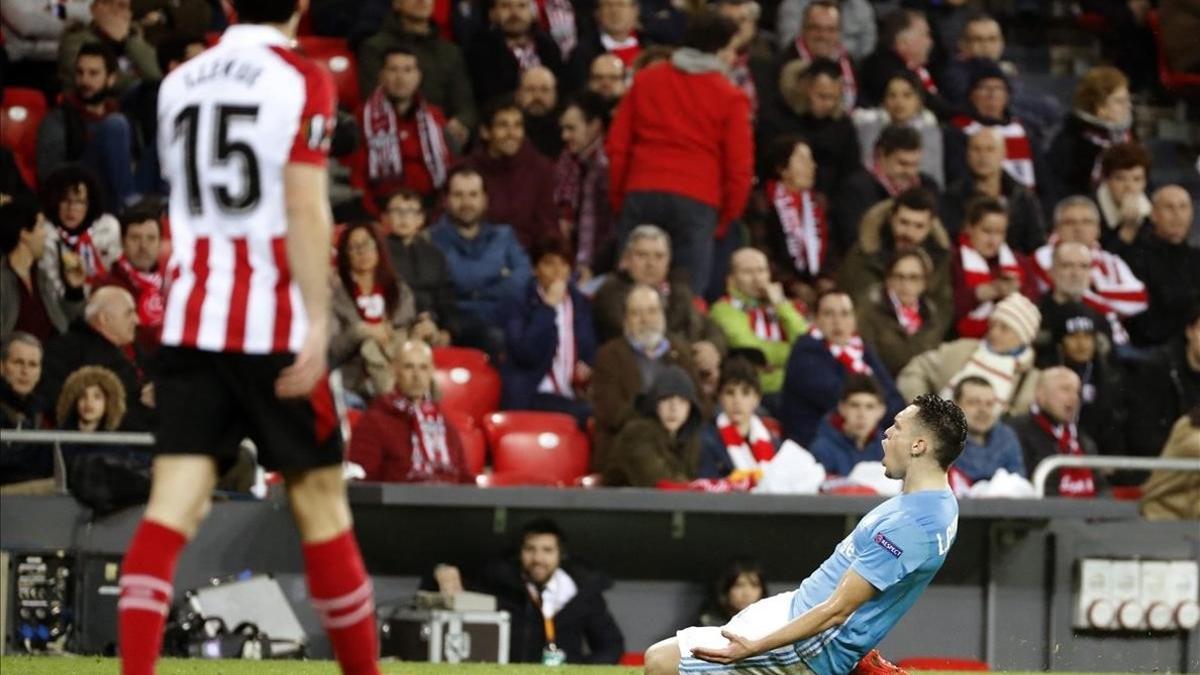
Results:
x,y
1019,314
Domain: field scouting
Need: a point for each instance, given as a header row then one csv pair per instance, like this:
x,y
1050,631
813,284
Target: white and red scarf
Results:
x,y
909,317
627,50
763,319
804,227
372,307
977,272
384,157
1018,159
525,55
748,453
560,380
1003,371
82,245
926,78
849,81
151,302
1103,136
1114,289
892,188
1075,482
852,355
557,18
430,451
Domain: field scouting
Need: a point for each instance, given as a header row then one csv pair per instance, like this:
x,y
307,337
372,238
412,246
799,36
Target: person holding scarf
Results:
x,y
405,134
821,361
550,341
737,444
139,272
581,185
403,437
83,237
898,317
985,270
1049,429
787,219
755,314
1004,357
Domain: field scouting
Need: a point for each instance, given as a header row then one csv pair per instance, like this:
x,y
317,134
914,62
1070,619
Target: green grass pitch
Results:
x,y
16,665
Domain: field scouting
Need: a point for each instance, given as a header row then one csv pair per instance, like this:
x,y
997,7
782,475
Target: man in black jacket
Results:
x,y
1169,266
1164,389
557,607
104,337
421,265
514,44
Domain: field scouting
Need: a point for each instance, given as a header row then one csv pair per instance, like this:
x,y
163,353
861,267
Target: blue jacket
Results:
x,y
486,270
1001,451
838,454
813,384
531,334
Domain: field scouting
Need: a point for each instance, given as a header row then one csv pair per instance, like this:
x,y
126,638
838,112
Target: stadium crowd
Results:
x,y
698,229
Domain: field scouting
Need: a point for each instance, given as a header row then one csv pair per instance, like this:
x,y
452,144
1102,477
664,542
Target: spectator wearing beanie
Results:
x,y
663,444
989,96
1004,357
681,149
1078,344
551,346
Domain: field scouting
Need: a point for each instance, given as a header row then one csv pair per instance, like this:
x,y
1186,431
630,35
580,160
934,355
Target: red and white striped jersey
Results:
x,y
230,120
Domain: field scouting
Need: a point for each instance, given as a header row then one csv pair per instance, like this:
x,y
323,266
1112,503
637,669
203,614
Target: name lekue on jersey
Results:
x,y
224,69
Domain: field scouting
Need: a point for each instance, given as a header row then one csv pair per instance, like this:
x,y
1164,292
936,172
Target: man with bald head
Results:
x,y
606,77
403,437
104,336
755,314
1169,266
537,97
1050,429
627,365
985,176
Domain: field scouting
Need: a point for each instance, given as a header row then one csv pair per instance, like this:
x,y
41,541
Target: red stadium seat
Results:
x,y
545,457
1177,82
467,383
21,113
337,57
473,440
943,663
632,659
499,424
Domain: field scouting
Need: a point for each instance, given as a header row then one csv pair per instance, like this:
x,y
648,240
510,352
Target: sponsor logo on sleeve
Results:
x,y
888,546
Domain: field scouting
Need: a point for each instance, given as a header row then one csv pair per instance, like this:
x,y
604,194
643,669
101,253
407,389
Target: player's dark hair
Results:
x,y
970,380
983,206
101,51
729,577
385,276
149,208
945,421
708,31
265,11
173,49
739,371
895,137
64,179
861,384
543,526
497,105
17,216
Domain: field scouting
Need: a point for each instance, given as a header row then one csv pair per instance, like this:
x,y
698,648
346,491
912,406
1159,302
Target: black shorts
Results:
x,y
208,402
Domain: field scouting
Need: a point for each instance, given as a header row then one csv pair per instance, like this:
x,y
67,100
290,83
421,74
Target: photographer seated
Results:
x,y
557,606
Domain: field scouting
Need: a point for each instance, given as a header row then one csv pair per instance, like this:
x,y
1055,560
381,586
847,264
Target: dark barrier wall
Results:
x,y
1005,594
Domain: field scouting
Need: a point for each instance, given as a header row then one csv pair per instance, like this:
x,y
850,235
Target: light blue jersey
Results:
x,y
897,547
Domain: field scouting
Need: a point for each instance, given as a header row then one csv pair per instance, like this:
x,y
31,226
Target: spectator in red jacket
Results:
x,y
681,149
518,179
403,437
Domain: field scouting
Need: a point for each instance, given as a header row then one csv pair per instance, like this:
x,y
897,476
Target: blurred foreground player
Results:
x,y
244,133
846,607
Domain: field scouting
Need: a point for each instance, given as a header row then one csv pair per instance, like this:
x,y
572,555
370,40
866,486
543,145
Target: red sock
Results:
x,y
341,594
146,577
